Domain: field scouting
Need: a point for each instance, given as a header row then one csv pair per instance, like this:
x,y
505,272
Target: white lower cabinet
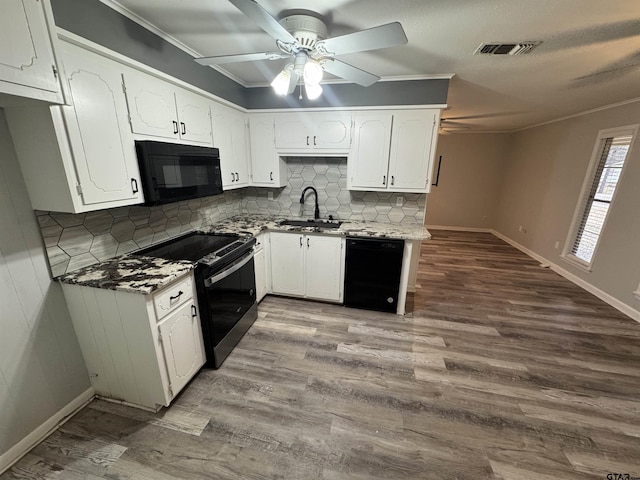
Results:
x,y
139,349
260,263
305,265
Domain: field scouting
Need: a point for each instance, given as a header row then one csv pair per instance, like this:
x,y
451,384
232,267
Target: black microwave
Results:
x,y
172,172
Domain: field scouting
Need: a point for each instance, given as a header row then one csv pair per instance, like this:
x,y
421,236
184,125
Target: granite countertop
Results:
x,y
129,274
144,275
256,223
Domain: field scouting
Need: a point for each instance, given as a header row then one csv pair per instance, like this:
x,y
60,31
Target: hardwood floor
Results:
x,y
504,370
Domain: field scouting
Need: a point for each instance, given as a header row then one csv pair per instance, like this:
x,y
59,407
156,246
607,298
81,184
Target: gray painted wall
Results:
x,y
95,21
41,367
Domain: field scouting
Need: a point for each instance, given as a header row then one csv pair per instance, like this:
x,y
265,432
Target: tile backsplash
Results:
x,y
74,241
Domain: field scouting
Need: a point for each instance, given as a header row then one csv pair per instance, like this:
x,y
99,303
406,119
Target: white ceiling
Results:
x,y
590,55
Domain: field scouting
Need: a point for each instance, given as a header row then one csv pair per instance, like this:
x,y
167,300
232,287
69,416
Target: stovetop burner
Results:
x,y
194,247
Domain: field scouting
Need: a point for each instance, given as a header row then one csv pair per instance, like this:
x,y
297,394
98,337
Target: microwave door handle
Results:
x,y
234,267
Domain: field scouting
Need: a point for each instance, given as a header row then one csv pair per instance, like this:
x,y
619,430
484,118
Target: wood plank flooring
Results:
x,y
504,370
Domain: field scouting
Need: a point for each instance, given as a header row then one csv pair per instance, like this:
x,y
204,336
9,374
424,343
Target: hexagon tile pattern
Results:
x,y
329,176
74,241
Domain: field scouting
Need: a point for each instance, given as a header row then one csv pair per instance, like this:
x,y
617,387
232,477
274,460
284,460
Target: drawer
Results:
x,y
171,297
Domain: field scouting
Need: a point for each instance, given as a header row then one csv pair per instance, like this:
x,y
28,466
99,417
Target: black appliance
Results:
x,y
372,273
225,282
172,172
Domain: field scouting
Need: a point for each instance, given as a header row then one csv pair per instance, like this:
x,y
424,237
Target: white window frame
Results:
x,y
628,130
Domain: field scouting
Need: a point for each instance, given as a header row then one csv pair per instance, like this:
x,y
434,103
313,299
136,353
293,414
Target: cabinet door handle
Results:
x,y
384,179
233,177
194,311
134,185
300,241
271,176
184,128
175,127
307,140
307,242
237,177
314,139
392,179
175,297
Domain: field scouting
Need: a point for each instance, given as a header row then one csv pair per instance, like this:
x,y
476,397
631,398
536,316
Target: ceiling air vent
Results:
x,y
506,48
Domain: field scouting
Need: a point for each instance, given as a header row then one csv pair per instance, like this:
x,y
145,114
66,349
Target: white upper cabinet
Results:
x,y
313,133
160,109
268,169
393,151
91,159
413,142
368,162
230,137
27,62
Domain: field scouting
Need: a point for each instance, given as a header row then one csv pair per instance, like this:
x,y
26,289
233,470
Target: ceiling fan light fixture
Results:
x,y
313,72
281,83
312,91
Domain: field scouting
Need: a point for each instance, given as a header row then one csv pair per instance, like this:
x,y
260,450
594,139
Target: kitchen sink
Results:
x,y
312,223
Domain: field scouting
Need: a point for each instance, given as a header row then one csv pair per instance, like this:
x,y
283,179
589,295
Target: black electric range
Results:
x,y
225,282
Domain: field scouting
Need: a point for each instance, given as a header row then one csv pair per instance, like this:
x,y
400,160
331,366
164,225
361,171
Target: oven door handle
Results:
x,y
234,267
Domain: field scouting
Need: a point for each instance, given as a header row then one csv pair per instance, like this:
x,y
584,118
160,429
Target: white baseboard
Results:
x,y
23,447
459,229
604,296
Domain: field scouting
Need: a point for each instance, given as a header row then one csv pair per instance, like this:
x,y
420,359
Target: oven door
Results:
x,y
228,299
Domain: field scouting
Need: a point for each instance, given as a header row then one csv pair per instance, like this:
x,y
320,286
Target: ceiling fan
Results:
x,y
304,38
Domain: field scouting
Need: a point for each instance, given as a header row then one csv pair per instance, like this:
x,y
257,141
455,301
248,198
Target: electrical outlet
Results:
x,y
399,201
269,195
520,228
556,245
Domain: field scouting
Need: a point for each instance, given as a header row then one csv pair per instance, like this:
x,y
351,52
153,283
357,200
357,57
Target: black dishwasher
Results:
x,y
372,273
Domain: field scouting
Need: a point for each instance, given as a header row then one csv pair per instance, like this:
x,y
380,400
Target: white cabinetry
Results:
x,y
90,154
160,109
268,169
261,268
230,137
27,61
393,151
313,133
140,349
310,266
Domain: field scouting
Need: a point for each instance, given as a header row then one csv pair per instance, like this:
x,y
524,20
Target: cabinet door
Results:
x,y
368,160
331,132
287,263
266,164
182,346
103,148
239,144
324,267
26,56
152,106
221,131
261,271
411,150
293,132
193,116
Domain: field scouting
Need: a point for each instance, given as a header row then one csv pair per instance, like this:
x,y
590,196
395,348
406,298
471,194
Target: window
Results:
x,y
607,162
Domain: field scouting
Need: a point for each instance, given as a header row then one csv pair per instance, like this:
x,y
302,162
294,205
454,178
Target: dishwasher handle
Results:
x,y
234,267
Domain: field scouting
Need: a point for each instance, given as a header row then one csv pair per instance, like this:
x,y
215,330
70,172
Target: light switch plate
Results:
x,y
399,201
270,195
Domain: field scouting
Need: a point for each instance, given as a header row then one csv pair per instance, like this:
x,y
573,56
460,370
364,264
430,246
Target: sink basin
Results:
x,y
312,223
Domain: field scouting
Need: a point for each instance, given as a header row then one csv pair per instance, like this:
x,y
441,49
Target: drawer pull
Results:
x,y
175,297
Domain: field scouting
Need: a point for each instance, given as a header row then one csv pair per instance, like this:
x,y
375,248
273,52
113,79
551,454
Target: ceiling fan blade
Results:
x,y
349,72
388,35
242,57
264,20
